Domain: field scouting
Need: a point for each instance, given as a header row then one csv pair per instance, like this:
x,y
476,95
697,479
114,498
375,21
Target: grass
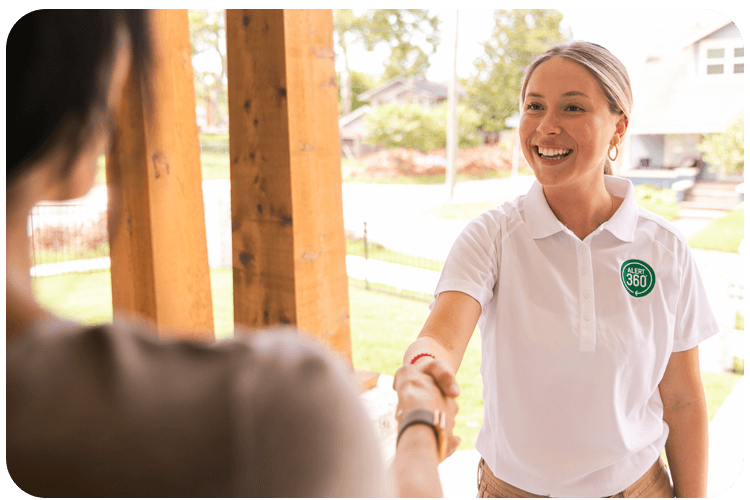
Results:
x,y
739,321
662,202
723,234
382,326
83,297
377,251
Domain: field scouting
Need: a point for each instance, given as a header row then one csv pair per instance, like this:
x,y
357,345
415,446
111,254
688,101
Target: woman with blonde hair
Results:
x,y
590,308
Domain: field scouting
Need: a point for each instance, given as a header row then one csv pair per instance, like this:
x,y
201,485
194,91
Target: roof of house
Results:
x,y
423,86
346,119
700,34
669,99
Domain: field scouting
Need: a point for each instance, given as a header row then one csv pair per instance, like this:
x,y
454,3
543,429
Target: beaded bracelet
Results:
x,y
421,355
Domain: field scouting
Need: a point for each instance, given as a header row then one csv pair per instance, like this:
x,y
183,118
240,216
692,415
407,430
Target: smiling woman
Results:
x,y
575,102
575,277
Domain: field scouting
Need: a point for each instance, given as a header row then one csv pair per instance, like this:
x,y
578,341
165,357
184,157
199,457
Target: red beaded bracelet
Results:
x,y
421,355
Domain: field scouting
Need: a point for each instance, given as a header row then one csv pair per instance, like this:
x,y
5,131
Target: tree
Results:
x,y
394,27
725,151
208,35
414,126
519,35
360,83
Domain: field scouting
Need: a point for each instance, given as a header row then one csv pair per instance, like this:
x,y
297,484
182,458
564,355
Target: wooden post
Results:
x,y
288,245
157,227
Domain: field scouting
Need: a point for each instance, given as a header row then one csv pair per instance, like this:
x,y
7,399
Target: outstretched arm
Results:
x,y
448,329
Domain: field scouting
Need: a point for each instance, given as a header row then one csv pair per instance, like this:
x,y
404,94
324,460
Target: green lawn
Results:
x,y
376,251
382,326
723,234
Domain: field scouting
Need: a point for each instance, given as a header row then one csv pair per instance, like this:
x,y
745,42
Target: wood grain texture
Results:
x,y
158,246
287,214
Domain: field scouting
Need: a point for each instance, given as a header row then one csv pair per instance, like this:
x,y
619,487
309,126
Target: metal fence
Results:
x,y
68,238
374,267
73,238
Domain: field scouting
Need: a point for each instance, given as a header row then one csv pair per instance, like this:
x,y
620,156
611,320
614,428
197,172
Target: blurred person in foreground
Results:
x,y
112,411
590,308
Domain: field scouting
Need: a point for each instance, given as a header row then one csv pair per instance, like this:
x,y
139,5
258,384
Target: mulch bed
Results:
x,y
391,163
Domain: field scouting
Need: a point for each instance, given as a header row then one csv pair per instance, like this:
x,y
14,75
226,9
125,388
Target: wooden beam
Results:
x,y
287,215
157,230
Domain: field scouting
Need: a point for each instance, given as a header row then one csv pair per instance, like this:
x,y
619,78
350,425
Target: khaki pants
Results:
x,y
655,483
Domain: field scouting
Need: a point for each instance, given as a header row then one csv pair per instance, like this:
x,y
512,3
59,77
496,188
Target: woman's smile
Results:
x,y
551,153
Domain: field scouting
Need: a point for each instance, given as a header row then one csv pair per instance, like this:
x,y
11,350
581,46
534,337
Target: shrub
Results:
x,y
725,151
414,126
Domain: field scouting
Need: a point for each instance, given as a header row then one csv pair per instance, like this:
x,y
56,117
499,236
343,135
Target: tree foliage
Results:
x,y
726,151
414,126
361,82
518,36
208,34
400,29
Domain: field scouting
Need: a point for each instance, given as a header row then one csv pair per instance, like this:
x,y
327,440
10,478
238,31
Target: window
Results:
x,y
720,59
739,60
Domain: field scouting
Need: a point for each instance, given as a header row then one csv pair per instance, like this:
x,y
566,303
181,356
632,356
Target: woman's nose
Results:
x,y
550,124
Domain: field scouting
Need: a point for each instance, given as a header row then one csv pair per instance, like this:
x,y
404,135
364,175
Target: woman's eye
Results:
x,y
533,106
573,107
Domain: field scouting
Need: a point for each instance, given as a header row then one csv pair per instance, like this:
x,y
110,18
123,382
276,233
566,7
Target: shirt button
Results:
x,y
582,249
586,294
584,270
587,317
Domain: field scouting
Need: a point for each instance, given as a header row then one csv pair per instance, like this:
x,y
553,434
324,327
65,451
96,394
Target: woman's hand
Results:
x,y
430,384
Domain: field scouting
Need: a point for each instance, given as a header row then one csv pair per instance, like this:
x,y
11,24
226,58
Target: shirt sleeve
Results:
x,y
694,321
472,264
272,414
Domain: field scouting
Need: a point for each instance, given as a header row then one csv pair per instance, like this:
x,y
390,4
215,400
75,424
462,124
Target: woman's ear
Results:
x,y
622,127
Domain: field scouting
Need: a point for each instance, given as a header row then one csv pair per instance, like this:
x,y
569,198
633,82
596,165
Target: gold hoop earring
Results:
x,y
617,152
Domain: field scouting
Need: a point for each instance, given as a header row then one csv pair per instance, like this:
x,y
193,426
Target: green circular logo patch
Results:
x,y
637,277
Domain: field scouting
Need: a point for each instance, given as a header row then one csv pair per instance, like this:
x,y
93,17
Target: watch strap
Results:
x,y
435,419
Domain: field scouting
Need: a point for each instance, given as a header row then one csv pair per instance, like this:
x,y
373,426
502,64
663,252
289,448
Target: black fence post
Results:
x,y
367,283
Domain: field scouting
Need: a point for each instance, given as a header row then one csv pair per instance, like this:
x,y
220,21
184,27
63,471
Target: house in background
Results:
x,y
691,85
352,132
398,90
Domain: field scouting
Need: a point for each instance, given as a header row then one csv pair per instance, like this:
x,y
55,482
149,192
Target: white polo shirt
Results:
x,y
576,336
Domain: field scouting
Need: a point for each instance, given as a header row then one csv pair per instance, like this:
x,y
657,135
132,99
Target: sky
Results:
x,y
627,33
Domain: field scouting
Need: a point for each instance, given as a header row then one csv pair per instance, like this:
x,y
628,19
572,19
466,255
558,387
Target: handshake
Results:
x,y
427,392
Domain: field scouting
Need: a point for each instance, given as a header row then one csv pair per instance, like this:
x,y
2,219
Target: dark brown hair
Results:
x,y
58,72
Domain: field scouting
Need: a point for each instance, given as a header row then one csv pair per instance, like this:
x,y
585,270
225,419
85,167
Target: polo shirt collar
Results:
x,y
541,222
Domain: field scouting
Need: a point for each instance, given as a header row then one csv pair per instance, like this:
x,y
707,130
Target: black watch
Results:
x,y
435,419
